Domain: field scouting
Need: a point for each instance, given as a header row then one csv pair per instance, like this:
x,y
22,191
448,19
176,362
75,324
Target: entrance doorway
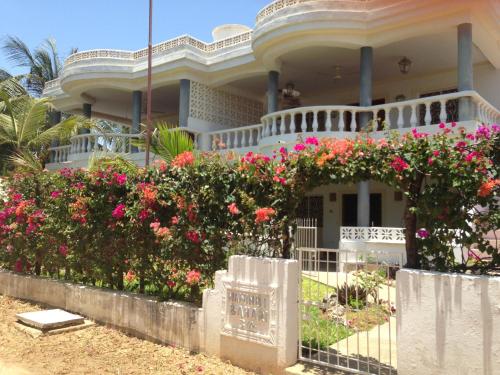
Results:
x,y
350,210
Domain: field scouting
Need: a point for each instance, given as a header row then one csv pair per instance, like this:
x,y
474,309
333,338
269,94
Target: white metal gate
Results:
x,y
347,307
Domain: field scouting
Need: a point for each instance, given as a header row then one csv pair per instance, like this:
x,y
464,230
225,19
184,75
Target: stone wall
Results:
x,y
447,324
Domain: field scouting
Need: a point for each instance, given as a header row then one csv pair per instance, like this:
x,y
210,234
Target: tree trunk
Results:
x,y
410,218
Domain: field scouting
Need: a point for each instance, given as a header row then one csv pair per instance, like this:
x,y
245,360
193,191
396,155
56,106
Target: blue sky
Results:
x,y
117,24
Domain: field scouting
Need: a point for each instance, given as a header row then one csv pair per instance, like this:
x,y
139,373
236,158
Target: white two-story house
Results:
x,y
320,68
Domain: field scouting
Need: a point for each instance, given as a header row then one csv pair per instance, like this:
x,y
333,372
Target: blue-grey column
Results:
x,y
465,70
87,112
365,99
184,97
273,82
136,115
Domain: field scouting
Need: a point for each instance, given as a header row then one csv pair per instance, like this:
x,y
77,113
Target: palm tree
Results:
x,y
44,63
25,133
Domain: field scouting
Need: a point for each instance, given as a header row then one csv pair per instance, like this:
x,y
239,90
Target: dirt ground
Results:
x,y
94,350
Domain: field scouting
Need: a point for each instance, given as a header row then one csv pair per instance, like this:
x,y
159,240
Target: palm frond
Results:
x,y
62,131
118,162
26,161
168,141
18,52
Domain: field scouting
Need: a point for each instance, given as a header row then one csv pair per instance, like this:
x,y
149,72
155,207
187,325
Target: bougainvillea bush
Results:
x,y
165,230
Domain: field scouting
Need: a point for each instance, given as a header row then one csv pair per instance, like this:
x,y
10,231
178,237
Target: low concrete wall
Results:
x,y
250,318
447,323
173,323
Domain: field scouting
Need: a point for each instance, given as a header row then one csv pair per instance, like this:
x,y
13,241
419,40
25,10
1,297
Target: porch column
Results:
x,y
184,97
465,70
273,81
365,99
87,110
136,115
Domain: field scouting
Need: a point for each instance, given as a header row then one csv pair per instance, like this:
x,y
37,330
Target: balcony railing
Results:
x,y
331,121
405,114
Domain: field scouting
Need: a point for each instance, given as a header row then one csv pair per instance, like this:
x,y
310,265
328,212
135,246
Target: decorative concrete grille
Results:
x,y
282,4
223,108
372,234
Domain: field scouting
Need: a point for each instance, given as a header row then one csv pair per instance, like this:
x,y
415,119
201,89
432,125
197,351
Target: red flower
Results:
x,y
193,277
170,284
233,209
264,214
174,220
193,236
312,141
18,266
119,211
130,276
399,164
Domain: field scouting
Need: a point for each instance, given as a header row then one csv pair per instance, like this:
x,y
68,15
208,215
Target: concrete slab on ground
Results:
x,y
50,319
35,332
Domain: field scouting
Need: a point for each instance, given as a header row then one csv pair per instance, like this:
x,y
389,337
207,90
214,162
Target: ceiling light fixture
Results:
x,y
404,65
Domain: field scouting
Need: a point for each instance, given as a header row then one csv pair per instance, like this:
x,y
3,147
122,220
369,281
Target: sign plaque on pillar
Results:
x,y
249,312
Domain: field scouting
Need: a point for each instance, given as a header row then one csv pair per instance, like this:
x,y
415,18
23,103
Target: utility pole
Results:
x,y
150,63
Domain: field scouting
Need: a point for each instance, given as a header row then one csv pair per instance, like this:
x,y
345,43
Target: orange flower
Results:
x,y
183,159
264,214
487,187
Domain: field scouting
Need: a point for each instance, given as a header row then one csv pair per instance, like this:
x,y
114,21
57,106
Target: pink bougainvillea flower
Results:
x,y
120,179
119,211
312,141
264,214
423,233
174,220
442,125
63,250
18,266
143,215
399,164
193,277
299,147
184,159
430,161
435,153
55,194
233,209
155,225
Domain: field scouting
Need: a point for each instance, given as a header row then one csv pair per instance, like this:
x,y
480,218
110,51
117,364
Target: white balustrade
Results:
x,y
246,136
59,154
399,115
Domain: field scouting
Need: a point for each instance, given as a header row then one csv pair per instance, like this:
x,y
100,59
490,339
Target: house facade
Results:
x,y
323,68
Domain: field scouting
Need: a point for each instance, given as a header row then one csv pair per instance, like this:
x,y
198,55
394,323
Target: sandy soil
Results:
x,y
95,350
